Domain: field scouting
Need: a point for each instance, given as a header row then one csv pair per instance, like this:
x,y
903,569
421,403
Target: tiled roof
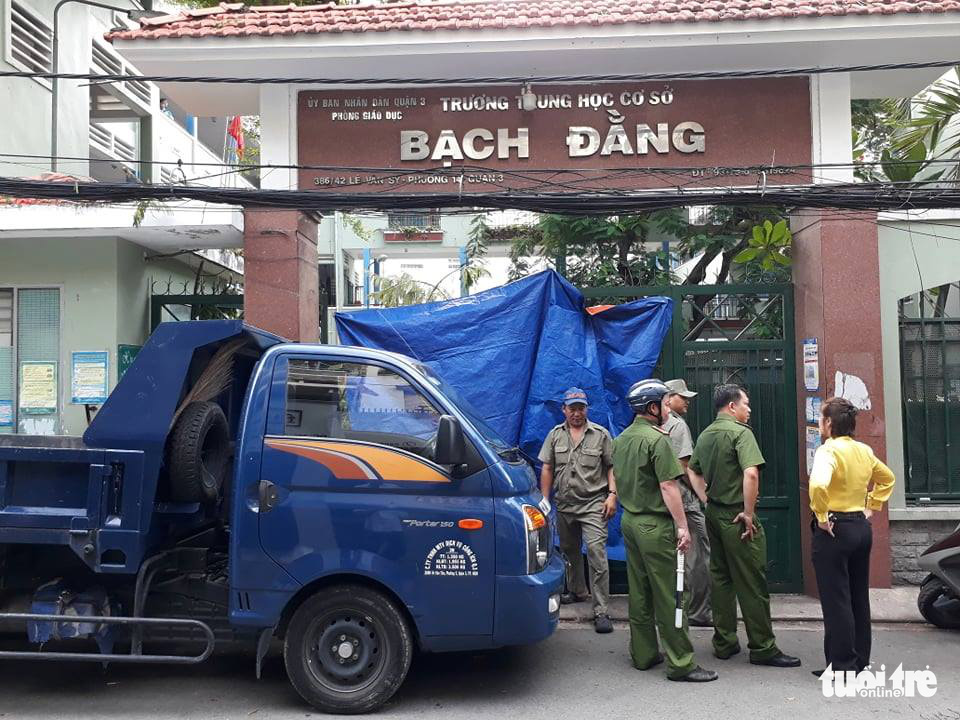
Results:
x,y
45,177
229,20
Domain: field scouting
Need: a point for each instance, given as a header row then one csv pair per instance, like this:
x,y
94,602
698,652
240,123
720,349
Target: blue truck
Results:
x,y
236,488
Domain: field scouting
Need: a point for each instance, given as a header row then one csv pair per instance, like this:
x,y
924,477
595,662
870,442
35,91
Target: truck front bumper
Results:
x,y
528,606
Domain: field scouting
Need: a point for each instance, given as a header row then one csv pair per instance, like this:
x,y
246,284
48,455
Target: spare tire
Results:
x,y
199,453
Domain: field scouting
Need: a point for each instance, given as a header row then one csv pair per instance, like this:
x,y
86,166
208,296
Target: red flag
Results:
x,y
235,130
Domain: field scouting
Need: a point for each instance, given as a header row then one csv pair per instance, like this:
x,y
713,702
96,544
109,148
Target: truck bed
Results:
x,y
55,490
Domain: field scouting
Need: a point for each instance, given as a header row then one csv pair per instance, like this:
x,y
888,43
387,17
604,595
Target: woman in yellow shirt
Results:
x,y
842,503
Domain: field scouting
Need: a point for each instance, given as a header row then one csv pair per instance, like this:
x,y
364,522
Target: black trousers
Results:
x,y
842,565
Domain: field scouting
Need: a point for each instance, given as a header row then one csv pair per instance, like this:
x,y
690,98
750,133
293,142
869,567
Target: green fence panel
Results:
x,y
930,374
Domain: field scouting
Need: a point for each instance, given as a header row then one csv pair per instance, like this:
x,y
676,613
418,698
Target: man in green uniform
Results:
x,y
654,531
728,460
577,459
697,561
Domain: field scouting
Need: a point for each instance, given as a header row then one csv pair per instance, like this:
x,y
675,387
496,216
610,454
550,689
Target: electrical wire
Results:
x,y
849,196
240,167
505,80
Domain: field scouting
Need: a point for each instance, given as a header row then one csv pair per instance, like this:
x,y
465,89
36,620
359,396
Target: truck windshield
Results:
x,y
476,419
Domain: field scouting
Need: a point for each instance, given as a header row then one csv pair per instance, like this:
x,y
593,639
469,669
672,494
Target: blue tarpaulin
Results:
x,y
513,350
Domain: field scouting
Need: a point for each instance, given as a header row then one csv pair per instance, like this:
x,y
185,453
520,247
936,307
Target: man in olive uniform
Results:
x,y
697,563
577,459
654,531
728,461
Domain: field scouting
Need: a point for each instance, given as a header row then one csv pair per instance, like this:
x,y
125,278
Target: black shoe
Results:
x,y
698,674
736,651
602,624
657,661
779,660
699,623
569,598
817,673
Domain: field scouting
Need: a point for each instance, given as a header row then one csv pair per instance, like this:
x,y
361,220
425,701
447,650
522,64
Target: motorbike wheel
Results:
x,y
938,605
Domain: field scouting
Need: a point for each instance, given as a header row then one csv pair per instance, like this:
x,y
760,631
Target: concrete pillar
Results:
x,y
837,296
281,282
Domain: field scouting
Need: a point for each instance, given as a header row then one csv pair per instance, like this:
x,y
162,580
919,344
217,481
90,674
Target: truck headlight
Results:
x,y
538,538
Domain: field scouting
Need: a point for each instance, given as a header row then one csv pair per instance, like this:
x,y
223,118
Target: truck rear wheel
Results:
x,y
199,453
347,649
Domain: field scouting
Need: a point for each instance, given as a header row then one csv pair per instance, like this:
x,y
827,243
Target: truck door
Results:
x,y
348,484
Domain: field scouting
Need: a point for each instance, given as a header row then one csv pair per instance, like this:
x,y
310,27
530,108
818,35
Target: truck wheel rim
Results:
x,y
345,652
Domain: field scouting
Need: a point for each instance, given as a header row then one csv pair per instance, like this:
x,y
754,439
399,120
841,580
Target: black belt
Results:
x,y
841,516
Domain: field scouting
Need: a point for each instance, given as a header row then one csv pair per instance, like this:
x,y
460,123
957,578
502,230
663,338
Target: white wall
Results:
x,y
25,120
104,287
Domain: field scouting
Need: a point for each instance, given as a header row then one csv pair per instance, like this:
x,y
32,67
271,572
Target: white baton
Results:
x,y
678,618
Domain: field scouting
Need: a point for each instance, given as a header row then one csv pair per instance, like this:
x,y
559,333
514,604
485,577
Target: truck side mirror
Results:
x,y
451,448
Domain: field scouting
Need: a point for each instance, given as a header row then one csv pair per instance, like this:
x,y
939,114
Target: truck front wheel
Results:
x,y
347,649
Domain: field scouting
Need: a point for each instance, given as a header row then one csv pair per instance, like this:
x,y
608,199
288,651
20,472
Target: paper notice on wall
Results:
x,y
6,413
88,378
811,365
813,442
38,387
813,409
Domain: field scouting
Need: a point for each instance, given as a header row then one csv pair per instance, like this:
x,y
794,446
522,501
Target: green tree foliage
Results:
x,y
597,250
910,138
727,232
251,152
768,246
932,135
476,266
874,124
403,289
615,251
920,143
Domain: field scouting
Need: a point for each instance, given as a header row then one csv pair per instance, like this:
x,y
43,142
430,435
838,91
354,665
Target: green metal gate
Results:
x,y
742,334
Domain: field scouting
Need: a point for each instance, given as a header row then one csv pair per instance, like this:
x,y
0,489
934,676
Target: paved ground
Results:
x,y
897,605
574,675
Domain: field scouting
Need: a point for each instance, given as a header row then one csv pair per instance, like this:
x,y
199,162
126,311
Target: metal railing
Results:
x,y
137,93
112,146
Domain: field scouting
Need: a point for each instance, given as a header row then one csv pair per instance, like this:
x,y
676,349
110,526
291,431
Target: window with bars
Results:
x,y
7,375
29,333
31,39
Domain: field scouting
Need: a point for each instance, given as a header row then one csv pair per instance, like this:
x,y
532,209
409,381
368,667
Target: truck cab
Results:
x,y
370,510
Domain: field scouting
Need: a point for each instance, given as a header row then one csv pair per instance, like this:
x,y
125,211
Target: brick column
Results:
x,y
836,276
281,284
